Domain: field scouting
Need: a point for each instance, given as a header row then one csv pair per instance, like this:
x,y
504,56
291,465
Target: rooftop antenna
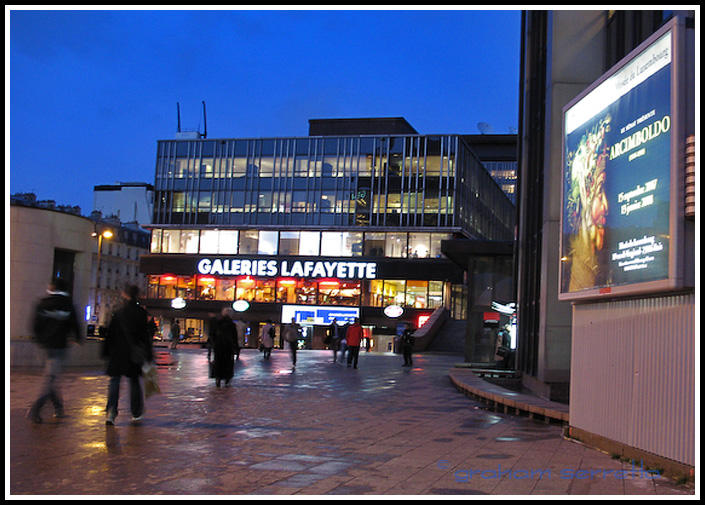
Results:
x,y
178,118
205,128
484,128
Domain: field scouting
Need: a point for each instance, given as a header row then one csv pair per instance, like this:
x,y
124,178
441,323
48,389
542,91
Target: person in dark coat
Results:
x,y
55,319
224,342
333,338
127,346
407,345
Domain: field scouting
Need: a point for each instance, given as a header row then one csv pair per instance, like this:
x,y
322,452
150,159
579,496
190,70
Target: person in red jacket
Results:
x,y
354,337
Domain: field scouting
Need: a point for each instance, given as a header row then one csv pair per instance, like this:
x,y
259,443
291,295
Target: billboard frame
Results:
x,y
676,261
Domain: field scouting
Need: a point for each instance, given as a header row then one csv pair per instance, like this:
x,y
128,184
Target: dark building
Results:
x,y
344,222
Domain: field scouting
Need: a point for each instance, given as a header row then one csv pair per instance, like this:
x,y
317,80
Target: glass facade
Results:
x,y
418,181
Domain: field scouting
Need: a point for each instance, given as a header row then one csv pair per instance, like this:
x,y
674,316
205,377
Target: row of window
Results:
x,y
299,243
330,166
303,201
368,293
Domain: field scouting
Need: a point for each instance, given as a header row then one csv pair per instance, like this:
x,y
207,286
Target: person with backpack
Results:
x,y
55,320
407,345
127,347
266,337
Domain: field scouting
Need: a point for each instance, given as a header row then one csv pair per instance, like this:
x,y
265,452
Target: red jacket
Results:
x,y
354,335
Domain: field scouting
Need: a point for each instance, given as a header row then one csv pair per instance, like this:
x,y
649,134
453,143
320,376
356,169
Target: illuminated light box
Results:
x,y
318,315
621,225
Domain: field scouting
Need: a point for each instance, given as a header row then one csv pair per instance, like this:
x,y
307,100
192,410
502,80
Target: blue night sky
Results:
x,y
92,91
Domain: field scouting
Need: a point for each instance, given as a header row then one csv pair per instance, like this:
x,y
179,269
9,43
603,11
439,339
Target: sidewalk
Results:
x,y
322,429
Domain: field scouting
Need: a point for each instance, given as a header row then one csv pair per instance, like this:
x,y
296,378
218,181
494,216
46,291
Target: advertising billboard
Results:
x,y
318,315
618,225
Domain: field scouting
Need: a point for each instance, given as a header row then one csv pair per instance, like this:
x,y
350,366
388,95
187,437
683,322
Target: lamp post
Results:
x,y
108,234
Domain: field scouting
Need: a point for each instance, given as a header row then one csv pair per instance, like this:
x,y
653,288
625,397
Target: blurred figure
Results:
x,y
353,337
333,338
266,337
175,332
407,345
241,333
291,335
55,319
127,346
224,343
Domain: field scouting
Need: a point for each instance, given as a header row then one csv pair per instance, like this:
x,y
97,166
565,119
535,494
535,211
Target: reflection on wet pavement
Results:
x,y
320,429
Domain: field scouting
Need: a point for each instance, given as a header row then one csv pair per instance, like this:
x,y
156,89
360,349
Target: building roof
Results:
x,y
360,126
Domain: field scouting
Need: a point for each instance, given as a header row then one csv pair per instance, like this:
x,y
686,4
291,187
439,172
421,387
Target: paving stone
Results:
x,y
321,430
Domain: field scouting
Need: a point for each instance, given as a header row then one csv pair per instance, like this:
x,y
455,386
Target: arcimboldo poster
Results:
x,y
616,193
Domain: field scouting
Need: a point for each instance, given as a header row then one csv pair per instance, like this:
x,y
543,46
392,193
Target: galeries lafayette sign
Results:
x,y
288,268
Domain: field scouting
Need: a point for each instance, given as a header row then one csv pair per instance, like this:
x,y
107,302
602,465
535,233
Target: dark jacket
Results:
x,y
224,341
55,319
408,340
128,343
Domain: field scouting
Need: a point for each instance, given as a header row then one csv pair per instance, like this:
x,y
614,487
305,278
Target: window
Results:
x,y
416,294
170,241
219,242
419,245
188,242
156,244
310,242
335,243
289,243
337,292
435,294
374,244
395,245
267,242
265,290
394,293
185,287
436,239
248,242
206,288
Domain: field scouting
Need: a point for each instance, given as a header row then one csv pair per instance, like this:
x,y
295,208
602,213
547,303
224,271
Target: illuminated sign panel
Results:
x,y
618,138
287,268
312,314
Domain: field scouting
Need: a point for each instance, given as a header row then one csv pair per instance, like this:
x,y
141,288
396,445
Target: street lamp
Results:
x,y
108,234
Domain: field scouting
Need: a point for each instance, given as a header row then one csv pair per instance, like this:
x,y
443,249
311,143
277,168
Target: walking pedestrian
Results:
x,y
127,347
333,339
55,319
175,333
291,335
266,337
354,337
224,342
241,327
407,345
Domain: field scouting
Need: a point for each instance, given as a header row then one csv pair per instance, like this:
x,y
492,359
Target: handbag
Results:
x,y
151,386
211,370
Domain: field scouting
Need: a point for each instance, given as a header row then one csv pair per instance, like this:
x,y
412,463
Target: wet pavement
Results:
x,y
320,429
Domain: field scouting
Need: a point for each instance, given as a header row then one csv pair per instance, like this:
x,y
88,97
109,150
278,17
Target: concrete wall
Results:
x,y
633,373
575,60
34,235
